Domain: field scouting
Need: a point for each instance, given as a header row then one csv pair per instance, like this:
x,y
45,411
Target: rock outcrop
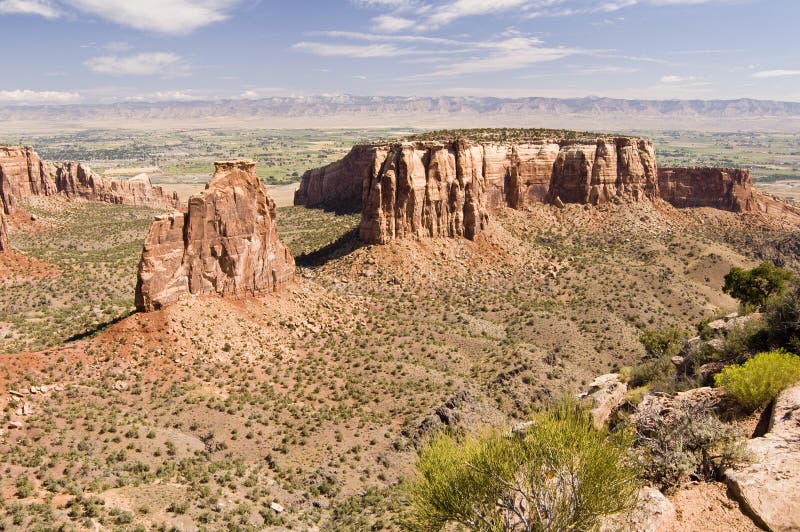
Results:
x,y
769,488
337,186
4,246
450,188
78,181
225,244
729,189
23,173
604,395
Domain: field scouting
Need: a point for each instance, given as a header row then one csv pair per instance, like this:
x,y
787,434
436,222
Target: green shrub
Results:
x,y
753,287
561,475
663,343
783,321
759,380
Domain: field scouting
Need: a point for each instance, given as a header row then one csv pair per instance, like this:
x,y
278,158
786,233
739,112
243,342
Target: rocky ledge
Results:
x,y
225,244
729,189
23,173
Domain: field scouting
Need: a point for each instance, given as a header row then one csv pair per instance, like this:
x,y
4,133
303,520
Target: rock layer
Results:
x,y
450,188
338,185
769,488
225,244
729,189
23,173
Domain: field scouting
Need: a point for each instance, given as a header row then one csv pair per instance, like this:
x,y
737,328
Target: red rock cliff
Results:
x,y
226,244
450,188
23,173
4,246
730,189
338,185
76,180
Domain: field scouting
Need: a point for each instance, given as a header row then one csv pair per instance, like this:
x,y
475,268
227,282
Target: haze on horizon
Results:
x,y
105,51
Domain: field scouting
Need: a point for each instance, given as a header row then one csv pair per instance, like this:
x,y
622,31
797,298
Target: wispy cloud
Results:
x,y
158,16
26,96
146,64
391,23
776,73
352,50
42,8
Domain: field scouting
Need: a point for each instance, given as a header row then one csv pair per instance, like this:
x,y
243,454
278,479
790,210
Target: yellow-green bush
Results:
x,y
563,474
759,380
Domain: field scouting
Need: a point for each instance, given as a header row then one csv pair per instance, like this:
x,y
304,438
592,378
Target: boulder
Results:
x,y
604,395
225,244
650,514
769,488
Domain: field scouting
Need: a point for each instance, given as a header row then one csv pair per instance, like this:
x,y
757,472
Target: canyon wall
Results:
x,y
729,189
450,188
23,173
225,244
4,246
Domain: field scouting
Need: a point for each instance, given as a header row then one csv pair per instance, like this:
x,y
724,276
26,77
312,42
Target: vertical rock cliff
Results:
x,y
730,189
338,185
4,246
225,244
450,188
23,173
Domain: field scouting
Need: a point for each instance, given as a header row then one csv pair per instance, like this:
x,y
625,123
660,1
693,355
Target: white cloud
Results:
x,y
676,79
146,64
26,96
776,73
165,96
352,50
42,8
159,16
391,24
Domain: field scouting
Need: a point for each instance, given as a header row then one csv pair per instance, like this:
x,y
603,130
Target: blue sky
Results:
x,y
102,51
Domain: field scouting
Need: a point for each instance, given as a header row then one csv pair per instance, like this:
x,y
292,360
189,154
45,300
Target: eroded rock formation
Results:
x,y
4,246
23,173
225,244
730,189
338,185
450,188
76,180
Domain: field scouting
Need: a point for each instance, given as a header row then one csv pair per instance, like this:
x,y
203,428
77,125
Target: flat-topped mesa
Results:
x,y
225,244
23,173
430,188
74,179
729,189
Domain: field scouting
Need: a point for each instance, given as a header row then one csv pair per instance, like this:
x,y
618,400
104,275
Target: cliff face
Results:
x,y
338,185
4,246
76,180
23,173
225,244
451,188
730,189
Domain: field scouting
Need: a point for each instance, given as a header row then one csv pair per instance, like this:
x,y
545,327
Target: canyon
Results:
x,y
225,244
23,174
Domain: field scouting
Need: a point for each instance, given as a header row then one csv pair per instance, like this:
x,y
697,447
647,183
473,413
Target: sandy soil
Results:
x,y
706,507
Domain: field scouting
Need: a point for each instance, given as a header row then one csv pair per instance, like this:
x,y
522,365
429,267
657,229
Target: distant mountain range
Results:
x,y
445,111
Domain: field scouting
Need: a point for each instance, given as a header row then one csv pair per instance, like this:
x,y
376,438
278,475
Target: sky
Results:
x,y
106,51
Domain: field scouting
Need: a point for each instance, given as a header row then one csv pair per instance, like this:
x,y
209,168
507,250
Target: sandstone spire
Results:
x,y
226,244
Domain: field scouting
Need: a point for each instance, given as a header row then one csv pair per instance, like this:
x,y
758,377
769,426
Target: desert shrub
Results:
x,y
562,474
663,343
759,380
659,373
741,342
689,443
783,321
753,287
